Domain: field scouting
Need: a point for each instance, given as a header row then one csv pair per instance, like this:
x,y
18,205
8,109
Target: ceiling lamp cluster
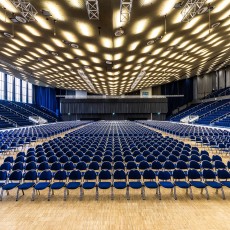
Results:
x,y
191,9
125,10
92,7
86,79
26,9
139,77
71,44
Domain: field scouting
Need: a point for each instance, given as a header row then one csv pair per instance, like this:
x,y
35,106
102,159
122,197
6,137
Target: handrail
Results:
x,y
41,112
13,111
212,103
211,111
8,120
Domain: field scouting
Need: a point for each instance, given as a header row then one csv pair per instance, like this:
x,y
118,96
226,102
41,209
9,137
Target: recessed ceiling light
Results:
x,y
119,32
8,35
205,9
214,25
74,45
171,48
178,5
150,42
21,19
108,62
159,38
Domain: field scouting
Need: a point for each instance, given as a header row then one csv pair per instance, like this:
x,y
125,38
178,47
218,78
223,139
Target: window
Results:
x,y
2,85
24,91
17,90
9,87
30,93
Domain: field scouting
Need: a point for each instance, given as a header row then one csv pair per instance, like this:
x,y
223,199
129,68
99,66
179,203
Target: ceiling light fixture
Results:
x,y
139,77
85,78
8,35
119,32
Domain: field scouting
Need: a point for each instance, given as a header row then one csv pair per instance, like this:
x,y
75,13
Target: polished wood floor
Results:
x,y
152,213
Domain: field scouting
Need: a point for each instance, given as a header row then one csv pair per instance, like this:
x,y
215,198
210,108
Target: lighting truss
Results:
x,y
139,77
92,9
26,8
191,9
86,79
125,10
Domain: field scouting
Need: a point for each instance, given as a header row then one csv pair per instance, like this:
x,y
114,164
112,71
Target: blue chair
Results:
x,y
119,181
156,166
119,165
9,159
131,165
180,181
18,166
29,181
143,165
149,179
6,166
75,159
169,166
210,179
3,178
106,165
82,166
60,178
89,181
55,167
74,182
31,166
195,180
104,181
43,183
164,178
134,181
14,180
224,177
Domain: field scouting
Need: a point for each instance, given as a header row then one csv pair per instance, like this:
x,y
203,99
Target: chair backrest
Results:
x,y
223,174
6,166
209,174
45,176
31,175
31,166
94,165
157,165
178,174
106,165
134,174
206,165
169,165
56,166
194,165
181,165
104,175
43,166
164,175
3,175
81,165
60,175
68,166
193,174
16,175
75,175
90,175
143,165
119,175
149,174
131,165
119,165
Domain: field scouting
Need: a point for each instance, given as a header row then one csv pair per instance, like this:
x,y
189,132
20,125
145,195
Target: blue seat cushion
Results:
x,y
214,184
1,184
57,185
89,185
73,185
42,185
225,183
135,185
166,184
119,185
9,186
182,184
151,184
198,184
26,185
104,185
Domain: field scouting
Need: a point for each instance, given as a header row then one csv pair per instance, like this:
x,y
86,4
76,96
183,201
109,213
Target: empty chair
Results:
x,y
75,159
3,178
119,181
63,159
169,166
31,166
29,181
82,166
161,158
104,181
73,183
180,181
156,166
56,166
139,158
206,165
9,159
173,158
94,166
164,178
52,159
118,158
131,165
195,180
6,166
224,177
14,180
149,179
68,167
216,157
119,165
90,181
58,183
18,166
106,165
43,183
210,179
143,165
219,165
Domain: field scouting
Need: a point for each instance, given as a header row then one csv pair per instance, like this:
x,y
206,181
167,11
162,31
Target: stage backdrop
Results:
x,y
114,109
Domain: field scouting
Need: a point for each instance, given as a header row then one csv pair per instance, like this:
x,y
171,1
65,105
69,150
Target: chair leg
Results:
x,y
49,194
175,196
17,195
143,192
1,195
112,193
207,195
127,193
159,193
33,195
191,194
65,194
223,195
81,193
97,193
201,191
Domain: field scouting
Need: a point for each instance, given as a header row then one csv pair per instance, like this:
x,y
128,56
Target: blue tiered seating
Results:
x,y
218,93
114,155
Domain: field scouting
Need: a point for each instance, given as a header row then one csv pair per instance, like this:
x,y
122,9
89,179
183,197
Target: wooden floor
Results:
x,y
120,213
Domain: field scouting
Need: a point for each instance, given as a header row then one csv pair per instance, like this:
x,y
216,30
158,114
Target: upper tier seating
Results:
x,y
218,93
17,114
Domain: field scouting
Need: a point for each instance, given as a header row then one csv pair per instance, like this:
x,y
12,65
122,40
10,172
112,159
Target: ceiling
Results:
x,y
184,50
